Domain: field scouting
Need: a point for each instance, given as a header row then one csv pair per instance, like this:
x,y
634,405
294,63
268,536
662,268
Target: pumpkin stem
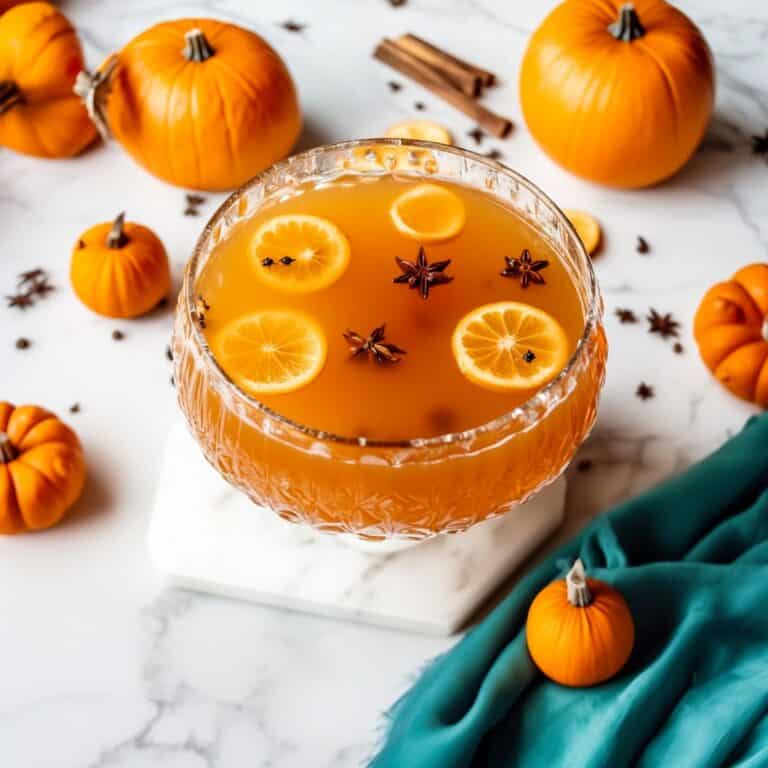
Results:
x,y
628,26
10,95
94,90
117,237
7,451
576,584
765,328
197,47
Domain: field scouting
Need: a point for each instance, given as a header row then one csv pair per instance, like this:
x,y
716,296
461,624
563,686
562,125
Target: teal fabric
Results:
x,y
691,558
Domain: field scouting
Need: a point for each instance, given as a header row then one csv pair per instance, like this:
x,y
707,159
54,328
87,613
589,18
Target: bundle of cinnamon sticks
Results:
x,y
450,78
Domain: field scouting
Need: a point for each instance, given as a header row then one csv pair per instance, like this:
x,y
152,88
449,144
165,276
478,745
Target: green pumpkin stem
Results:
x,y
628,26
10,95
7,450
117,237
576,585
197,47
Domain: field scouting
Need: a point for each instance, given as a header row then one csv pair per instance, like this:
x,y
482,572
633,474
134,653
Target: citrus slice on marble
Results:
x,y
299,253
271,352
428,213
420,130
587,228
508,346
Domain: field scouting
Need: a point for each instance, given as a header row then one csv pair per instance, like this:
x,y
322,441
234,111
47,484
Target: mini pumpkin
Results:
x,y
731,330
42,469
40,57
580,631
620,94
120,269
199,103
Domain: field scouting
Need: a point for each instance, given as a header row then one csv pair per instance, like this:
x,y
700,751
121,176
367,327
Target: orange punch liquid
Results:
x,y
289,304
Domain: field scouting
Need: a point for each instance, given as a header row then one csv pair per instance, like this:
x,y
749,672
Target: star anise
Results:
x,y
664,325
374,345
422,275
525,269
760,145
644,391
41,288
31,276
20,300
494,154
626,315
642,245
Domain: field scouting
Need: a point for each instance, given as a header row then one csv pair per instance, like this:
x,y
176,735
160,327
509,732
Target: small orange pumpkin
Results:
x,y
199,103
731,330
120,269
579,631
620,94
40,57
42,469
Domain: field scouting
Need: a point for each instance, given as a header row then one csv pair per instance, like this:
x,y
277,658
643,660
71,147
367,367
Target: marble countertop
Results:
x,y
100,666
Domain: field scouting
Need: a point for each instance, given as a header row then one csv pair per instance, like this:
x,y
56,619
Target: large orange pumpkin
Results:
x,y
42,469
731,329
199,103
40,57
620,94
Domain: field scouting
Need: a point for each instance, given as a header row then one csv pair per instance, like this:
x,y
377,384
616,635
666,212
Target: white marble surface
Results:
x,y
99,666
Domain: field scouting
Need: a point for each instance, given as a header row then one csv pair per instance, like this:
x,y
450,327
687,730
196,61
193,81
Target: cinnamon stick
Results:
x,y
467,77
411,66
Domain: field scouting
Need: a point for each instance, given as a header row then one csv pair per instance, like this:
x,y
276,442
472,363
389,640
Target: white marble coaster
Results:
x,y
205,535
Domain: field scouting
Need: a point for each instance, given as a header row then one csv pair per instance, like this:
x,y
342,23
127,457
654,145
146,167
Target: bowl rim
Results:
x,y
528,412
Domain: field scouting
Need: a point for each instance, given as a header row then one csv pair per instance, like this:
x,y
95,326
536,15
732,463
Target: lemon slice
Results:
x,y
428,213
271,352
298,253
421,130
509,346
587,228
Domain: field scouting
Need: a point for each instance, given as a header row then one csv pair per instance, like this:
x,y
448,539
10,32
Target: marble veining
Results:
x,y
102,667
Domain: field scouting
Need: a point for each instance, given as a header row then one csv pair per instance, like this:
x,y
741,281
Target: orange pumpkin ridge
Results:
x,y
40,57
197,102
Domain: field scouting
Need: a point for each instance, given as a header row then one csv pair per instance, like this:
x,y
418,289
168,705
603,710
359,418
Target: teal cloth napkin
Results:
x,y
691,558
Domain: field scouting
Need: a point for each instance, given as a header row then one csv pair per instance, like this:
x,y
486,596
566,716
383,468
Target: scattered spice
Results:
x,y
664,325
287,261
31,285
169,353
494,154
198,313
292,26
163,303
118,335
173,381
373,345
529,356
397,3
525,269
760,145
23,343
644,391
422,275
584,465
420,106
74,408
625,315
477,134
193,203
267,261
642,245
394,87
678,348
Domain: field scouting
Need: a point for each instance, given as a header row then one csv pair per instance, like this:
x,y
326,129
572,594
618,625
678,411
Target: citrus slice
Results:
x,y
271,352
421,130
428,213
509,346
587,228
298,253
